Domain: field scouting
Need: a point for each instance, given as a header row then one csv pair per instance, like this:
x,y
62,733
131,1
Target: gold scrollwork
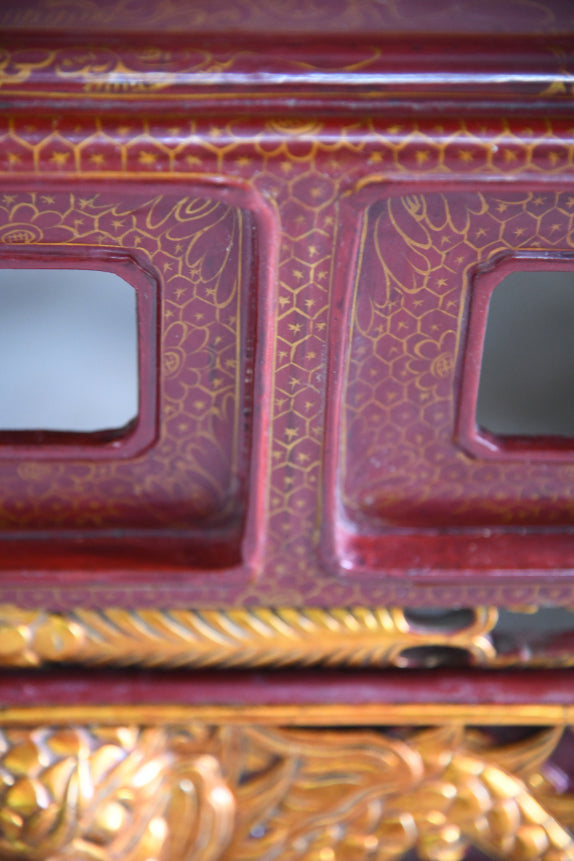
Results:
x,y
255,637
208,791
109,793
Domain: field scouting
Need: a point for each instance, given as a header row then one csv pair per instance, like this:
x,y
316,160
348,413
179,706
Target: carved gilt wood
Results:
x,y
222,788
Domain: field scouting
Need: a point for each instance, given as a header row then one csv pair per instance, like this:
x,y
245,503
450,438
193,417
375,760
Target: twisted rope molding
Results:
x,y
258,637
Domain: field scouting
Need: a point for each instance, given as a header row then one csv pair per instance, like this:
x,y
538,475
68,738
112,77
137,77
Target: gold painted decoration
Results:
x,y
207,791
256,637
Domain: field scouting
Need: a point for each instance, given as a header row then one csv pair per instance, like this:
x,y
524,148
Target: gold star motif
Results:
x,y
59,158
147,158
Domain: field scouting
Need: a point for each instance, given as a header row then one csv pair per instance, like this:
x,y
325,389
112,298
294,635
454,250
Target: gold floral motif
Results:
x,y
365,796
109,793
261,636
207,791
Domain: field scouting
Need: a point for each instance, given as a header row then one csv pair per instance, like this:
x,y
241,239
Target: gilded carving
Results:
x,y
261,636
208,791
272,637
109,793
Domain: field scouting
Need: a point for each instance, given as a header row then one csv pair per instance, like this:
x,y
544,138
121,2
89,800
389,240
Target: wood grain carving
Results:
x,y
239,793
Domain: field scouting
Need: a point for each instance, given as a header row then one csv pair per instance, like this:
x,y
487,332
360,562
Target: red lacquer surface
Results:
x,y
176,483
435,17
303,207
410,458
305,687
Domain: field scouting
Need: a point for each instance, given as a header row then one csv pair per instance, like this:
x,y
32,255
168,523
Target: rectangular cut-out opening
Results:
x,y
526,383
418,488
68,351
165,485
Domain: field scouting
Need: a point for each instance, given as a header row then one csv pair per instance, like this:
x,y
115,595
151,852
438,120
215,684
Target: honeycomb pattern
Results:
x,y
192,472
401,465
304,168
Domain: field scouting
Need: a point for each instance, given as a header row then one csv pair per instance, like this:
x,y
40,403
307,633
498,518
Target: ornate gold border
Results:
x,y
256,637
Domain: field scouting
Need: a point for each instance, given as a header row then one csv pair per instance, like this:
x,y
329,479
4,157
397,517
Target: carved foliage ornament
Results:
x,y
267,637
262,636
240,793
